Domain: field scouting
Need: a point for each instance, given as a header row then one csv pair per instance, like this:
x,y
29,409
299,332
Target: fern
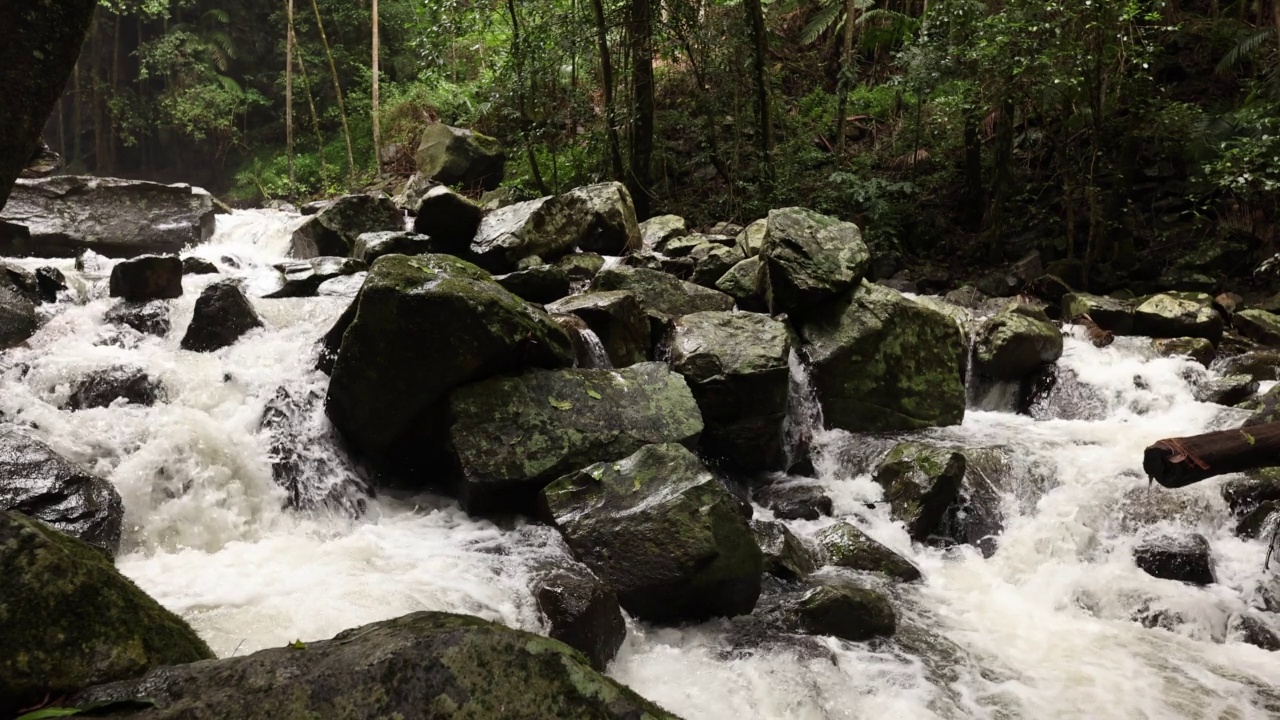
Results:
x,y
1242,50
822,20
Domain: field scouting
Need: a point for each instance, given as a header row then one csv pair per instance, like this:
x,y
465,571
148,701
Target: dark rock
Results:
x,y
545,284
198,266
727,229
103,387
1108,313
458,156
662,531
43,163
1243,494
1197,349
449,219
17,316
1049,288
581,417
304,277
1230,390
580,610
611,227
785,555
1253,630
1013,344
334,230
617,319
848,547
424,665
151,318
711,262
50,282
1258,364
1182,556
795,500
222,315
808,259
20,279
371,246
920,484
682,246
581,266
740,283
1268,410
1259,326
839,607
656,231
150,277
968,297
305,459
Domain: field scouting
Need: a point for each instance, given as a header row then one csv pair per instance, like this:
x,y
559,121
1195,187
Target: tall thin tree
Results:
x,y
606,80
760,77
288,89
377,124
640,179
337,88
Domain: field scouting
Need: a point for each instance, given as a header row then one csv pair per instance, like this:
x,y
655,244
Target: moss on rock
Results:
x,y
807,258
848,547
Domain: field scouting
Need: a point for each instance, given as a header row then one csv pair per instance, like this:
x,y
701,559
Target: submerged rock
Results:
x,y
580,610
848,547
458,156
449,219
662,531
149,318
334,230
1184,557
807,259
617,319
103,387
920,484
785,555
222,315
305,460
72,620
150,277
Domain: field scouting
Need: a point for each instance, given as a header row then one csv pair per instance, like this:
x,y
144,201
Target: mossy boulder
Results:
x,y
150,277
71,620
839,607
751,239
1172,315
1198,349
596,218
371,246
434,666
662,531
610,226
543,284
921,483
449,219
882,362
1012,344
736,364
335,229
458,156
740,283
656,231
421,327
785,555
511,436
711,262
1108,313
848,547
617,319
1259,326
1268,410
221,317
581,266
661,295
682,246
807,258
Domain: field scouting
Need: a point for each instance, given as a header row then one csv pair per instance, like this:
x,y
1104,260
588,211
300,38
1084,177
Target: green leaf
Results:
x,y
298,645
560,404
49,712
594,395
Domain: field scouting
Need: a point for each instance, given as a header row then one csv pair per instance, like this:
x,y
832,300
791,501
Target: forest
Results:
x,y
1112,132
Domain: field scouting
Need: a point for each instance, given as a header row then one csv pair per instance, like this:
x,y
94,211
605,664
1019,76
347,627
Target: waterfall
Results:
x,y
594,356
804,413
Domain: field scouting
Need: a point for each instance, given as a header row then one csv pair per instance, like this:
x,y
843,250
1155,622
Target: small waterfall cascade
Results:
x,y
594,355
804,420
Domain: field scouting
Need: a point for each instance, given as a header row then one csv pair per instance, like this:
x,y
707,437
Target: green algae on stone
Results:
x,y
661,294
920,483
1175,314
1107,313
807,258
1012,344
740,283
1259,326
848,547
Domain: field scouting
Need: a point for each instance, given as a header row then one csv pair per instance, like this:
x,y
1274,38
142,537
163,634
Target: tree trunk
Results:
x,y
760,77
311,103
337,88
77,150
518,54
1178,462
377,123
972,211
606,72
288,92
640,178
846,73
95,69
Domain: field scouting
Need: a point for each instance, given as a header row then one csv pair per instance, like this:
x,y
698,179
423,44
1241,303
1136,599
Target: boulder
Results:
x,y
335,228
544,284
920,484
1229,390
90,262
1198,349
409,198
72,620
785,556
580,266
222,315
303,278
736,364
662,531
39,483
1012,344
371,246
1181,556
794,500
739,282
192,265
1268,409
457,156
421,327
61,215
49,283
611,227
848,547
839,607
711,262
20,279
424,665
1173,315
580,610
682,246
101,388
882,363
150,277
751,239
449,219
1259,326
1259,364
511,436
148,318
661,295
617,319
656,231
808,259
1108,313
17,316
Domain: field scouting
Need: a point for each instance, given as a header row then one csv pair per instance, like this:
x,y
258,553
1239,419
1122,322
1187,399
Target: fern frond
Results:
x,y
1243,49
822,20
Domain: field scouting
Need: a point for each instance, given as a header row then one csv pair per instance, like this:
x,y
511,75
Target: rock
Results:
x,y
795,500
1260,365
1049,288
151,318
736,365
580,610
1183,556
511,436
17,316
545,284
967,297
150,277
682,246
1108,313
304,277
371,246
656,231
1228,303
785,555
449,219
920,484
808,259
1253,630
1173,315
222,315
1198,349
711,262
90,262
611,227
334,230
660,295
424,665
1012,344
457,156
662,531
1259,326
305,460
72,620
20,279
198,266
883,363
39,483
1268,410
1229,390
617,319
848,547
581,266
49,282
1243,494
43,163
751,239
739,282
103,387
118,218
842,608
411,193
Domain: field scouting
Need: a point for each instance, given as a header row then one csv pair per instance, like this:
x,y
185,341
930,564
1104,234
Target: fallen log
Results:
x,y
1178,462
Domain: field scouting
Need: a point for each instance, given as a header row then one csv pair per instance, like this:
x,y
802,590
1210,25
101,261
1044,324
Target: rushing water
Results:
x,y
1044,628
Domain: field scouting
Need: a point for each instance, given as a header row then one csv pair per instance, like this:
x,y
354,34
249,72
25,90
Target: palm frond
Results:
x,y
1243,49
822,20
217,15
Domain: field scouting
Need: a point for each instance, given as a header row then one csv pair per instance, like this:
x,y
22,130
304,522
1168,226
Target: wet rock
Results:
x,y
412,191
839,607
740,283
808,259
305,459
421,327
1258,364
1198,349
1268,409
656,231
198,266
795,500
711,262
222,315
150,277
617,319
662,531
449,219
1259,326
458,156
545,284
581,266
1182,556
1050,288
883,363
920,483
1245,493
736,365
611,227
1251,629
49,282
1173,315
1258,522
581,416
72,620
39,483
424,665
661,295
148,318
682,246
88,261
304,277
101,388
848,547
20,279
1230,390
17,316
334,230
371,246
785,556
1012,344
1109,314
580,610
751,239
117,218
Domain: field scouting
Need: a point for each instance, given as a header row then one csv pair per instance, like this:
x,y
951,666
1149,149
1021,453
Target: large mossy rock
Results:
x,y
711,262
579,609
37,482
839,607
807,258
663,532
221,317
1259,326
433,666
740,282
511,436
335,229
421,327
736,364
371,246
457,156
921,483
71,620
150,277
1174,315
656,231
883,363
1107,313
848,547
449,219
661,295
1012,344
610,213
617,319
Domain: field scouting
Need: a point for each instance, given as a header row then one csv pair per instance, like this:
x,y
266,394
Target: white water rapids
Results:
x,y
1042,629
